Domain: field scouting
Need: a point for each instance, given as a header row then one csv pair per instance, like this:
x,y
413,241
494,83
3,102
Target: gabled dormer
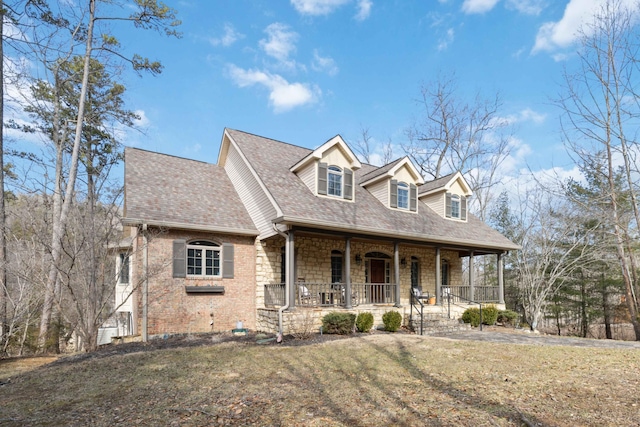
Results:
x,y
328,170
395,184
447,196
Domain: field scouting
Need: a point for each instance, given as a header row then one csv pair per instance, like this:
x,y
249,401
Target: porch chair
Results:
x,y
305,297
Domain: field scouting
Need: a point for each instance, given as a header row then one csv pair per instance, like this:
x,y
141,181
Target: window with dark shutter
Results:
x,y
448,206
322,178
413,198
393,200
348,184
463,208
179,259
227,261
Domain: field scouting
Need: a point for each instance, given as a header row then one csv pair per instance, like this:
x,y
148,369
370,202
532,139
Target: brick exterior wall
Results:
x,y
172,310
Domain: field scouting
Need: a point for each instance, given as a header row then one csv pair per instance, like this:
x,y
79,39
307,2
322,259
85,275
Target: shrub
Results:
x,y
303,325
472,316
364,321
507,317
489,314
338,323
392,321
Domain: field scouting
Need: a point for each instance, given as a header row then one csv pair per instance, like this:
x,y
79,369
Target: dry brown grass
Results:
x,y
384,379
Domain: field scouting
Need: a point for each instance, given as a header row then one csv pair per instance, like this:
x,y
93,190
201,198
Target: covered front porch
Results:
x,y
318,268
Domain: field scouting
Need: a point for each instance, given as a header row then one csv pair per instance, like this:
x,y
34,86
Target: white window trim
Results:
x,y
406,188
209,246
335,171
455,201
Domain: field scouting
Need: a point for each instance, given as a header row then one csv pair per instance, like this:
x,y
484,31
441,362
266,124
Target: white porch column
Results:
x,y
500,278
471,276
347,272
438,278
396,271
290,266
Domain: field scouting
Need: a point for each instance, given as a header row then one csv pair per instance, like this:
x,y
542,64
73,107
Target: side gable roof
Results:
x,y
444,184
389,170
170,191
318,152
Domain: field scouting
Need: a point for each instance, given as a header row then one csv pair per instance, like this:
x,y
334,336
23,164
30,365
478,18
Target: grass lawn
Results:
x,y
380,379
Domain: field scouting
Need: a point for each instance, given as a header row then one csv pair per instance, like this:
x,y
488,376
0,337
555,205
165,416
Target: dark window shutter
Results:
x,y
348,184
413,197
447,207
463,208
393,200
322,178
179,258
227,261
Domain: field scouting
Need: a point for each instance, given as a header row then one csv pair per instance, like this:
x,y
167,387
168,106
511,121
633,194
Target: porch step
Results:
x,y
440,326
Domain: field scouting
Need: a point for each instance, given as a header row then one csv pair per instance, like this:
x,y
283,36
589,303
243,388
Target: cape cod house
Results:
x,y
275,229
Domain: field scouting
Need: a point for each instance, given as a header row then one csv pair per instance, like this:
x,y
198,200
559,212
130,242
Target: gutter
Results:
x,y
420,237
185,226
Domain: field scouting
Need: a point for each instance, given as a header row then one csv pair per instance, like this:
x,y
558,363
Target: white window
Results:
x,y
123,268
403,195
455,206
203,259
334,178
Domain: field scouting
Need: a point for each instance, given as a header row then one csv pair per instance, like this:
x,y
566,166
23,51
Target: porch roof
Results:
x,y
271,161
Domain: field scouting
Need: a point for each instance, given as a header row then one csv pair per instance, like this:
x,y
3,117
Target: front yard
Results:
x,y
379,379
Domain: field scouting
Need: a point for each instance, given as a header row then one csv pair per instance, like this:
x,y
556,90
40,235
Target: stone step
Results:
x,y
440,326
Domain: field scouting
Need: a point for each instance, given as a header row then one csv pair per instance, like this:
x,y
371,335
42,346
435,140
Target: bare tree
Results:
x,y
454,135
553,247
599,112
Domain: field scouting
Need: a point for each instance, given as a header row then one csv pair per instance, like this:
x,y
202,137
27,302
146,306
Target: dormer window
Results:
x,y
456,207
403,195
334,180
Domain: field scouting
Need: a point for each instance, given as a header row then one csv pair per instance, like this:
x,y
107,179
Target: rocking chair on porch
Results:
x,y
305,297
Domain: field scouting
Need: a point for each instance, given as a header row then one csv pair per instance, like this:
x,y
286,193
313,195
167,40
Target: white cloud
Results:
x,y
317,7
445,41
229,37
324,64
478,6
364,9
283,96
527,7
561,34
281,42
526,115
143,120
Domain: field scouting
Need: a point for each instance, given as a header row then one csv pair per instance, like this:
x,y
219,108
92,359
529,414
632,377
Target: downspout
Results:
x,y
145,284
286,283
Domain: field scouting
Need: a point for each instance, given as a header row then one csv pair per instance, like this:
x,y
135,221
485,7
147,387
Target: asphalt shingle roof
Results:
x,y
272,159
436,183
165,188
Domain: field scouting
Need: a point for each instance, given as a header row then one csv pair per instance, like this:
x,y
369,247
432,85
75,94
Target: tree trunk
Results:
x,y
4,336
59,227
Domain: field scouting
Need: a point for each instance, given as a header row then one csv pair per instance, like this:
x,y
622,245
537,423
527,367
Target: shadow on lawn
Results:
x,y
492,409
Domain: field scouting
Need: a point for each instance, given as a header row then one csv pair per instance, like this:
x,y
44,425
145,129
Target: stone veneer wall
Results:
x,y
313,263
172,310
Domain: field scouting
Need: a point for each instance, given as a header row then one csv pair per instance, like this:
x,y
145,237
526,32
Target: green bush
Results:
x,y
472,316
489,314
392,321
507,317
364,321
338,323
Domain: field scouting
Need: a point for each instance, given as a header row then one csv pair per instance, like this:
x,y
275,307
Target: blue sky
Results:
x,y
302,71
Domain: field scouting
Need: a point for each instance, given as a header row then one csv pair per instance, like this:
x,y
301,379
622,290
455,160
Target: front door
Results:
x,y
377,275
